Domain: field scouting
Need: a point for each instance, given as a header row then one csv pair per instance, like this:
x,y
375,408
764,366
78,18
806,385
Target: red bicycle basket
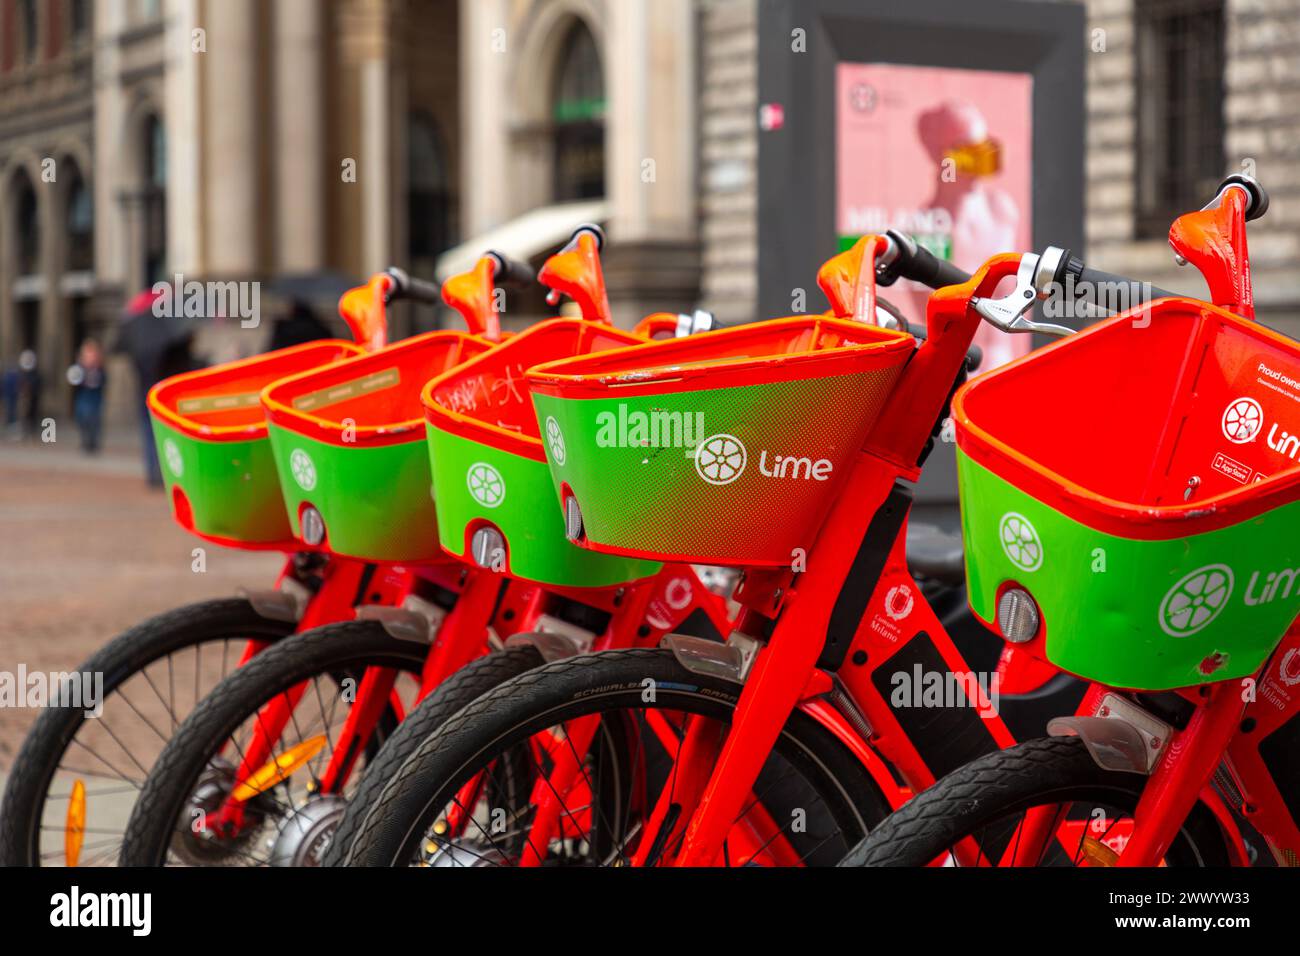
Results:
x,y
489,463
349,443
722,448
1139,480
213,446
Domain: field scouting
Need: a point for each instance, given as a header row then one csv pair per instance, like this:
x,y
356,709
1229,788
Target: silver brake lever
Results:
x,y
1008,312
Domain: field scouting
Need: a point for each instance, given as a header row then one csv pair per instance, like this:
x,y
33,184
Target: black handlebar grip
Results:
x,y
417,290
1105,289
1258,195
426,293
929,270
592,229
914,261
511,273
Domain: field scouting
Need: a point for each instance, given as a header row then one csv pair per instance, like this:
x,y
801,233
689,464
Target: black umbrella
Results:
x,y
320,289
152,341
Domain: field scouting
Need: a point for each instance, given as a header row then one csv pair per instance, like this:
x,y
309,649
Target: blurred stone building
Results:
x,y
254,139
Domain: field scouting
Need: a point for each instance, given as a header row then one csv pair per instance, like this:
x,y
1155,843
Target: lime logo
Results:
x,y
720,459
1020,542
303,469
175,463
1196,600
1242,420
486,485
555,440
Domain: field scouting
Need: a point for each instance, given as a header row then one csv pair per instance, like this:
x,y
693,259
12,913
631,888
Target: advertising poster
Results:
x,y
945,155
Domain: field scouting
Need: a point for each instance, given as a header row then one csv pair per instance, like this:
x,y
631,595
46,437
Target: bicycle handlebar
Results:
x,y
905,258
1061,272
416,290
510,273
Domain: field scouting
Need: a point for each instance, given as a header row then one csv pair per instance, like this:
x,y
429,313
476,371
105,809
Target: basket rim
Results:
x,y
494,436
327,430
559,379
1103,512
255,430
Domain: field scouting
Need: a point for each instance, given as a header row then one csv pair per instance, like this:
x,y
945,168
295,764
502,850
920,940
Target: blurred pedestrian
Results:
x,y
88,378
159,346
12,390
29,393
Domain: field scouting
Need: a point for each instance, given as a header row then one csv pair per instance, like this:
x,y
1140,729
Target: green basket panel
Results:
x,y
773,455
232,487
375,501
1128,612
474,483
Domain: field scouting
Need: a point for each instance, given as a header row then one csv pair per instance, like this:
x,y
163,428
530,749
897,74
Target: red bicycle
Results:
x,y
1185,750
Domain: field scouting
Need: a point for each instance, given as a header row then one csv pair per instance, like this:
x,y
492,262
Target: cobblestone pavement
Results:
x,y
87,550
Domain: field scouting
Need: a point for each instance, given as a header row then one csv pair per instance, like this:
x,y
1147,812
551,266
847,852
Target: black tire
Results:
x,y
337,651
601,683
460,690
228,619
999,785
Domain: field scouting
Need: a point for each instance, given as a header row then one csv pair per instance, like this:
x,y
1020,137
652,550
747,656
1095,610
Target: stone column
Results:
x,y
113,152
650,78
51,328
375,162
183,120
484,98
299,132
231,146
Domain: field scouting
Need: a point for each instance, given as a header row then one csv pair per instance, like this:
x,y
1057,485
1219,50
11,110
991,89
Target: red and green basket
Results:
x,y
349,445
488,457
213,447
1140,482
721,448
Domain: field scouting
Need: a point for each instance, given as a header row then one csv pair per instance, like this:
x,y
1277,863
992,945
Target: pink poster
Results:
x,y
943,154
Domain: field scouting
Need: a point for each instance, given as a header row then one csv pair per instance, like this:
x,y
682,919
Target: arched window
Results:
x,y
80,222
578,112
428,199
28,226
155,200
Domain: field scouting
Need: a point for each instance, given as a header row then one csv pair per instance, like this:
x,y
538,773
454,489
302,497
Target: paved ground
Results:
x,y
86,550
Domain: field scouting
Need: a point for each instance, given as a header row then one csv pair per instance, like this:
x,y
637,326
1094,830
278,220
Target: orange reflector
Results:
x,y
1098,853
74,828
278,770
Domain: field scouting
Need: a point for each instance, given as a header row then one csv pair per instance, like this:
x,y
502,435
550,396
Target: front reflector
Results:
x,y
488,548
313,526
1018,617
572,519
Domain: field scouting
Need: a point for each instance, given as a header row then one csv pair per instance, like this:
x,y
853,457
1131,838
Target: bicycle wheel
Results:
x,y
470,794
467,685
183,815
1051,787
72,767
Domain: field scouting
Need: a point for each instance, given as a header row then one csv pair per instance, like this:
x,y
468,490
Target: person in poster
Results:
x,y
943,154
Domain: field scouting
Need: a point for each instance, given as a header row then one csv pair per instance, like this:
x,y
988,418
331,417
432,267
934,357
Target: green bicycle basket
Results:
x,y
1139,482
213,447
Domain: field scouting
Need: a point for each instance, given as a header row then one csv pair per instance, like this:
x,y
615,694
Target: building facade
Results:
x,y
250,140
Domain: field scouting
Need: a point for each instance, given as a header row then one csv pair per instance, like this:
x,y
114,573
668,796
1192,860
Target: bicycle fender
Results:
x,y
551,645
1112,742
